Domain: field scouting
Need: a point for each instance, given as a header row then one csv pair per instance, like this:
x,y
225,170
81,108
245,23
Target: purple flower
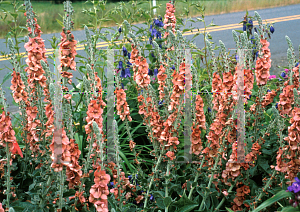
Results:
x,y
244,27
111,185
283,74
127,73
122,73
155,72
151,197
272,29
236,57
150,72
250,22
276,105
129,55
297,64
268,90
122,85
125,52
295,187
154,32
160,102
120,65
249,96
209,110
120,30
152,55
128,64
286,70
150,39
255,29
252,39
173,67
156,22
158,35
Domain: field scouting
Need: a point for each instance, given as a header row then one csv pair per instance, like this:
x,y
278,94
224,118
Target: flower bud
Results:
x,y
272,29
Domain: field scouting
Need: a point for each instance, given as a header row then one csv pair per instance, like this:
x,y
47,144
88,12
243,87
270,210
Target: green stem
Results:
x,y
223,200
210,182
8,176
196,178
152,178
167,180
257,199
61,189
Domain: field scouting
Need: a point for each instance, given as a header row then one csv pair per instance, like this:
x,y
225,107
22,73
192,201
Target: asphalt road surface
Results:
x,y
287,22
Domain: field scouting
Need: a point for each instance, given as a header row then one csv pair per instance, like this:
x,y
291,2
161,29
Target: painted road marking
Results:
x,y
210,29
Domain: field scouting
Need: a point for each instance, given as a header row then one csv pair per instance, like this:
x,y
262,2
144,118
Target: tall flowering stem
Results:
x,y
9,141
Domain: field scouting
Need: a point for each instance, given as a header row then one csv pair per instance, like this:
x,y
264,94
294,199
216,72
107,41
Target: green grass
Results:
x,y
48,13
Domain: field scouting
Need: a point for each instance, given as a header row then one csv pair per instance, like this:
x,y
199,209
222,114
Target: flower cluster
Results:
x,y
268,98
122,106
18,88
140,68
293,165
170,19
241,192
68,52
196,146
263,64
7,134
99,191
74,172
161,76
60,149
154,32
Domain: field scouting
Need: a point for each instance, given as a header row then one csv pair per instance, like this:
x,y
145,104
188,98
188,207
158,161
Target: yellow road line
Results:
x,y
210,29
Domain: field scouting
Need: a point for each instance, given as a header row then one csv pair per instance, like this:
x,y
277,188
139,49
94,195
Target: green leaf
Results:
x,y
15,15
290,209
167,201
60,23
229,210
148,46
186,208
5,2
280,195
6,77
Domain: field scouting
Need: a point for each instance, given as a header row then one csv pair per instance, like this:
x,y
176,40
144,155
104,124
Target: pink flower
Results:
x,y
286,70
272,77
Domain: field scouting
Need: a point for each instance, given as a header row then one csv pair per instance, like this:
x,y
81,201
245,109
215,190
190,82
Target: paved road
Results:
x,y
287,20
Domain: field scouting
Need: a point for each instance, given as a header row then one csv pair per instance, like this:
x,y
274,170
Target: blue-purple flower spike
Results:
x,y
129,55
127,72
125,52
155,72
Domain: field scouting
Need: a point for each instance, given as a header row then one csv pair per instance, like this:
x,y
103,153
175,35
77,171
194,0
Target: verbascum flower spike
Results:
x,y
257,16
236,38
68,23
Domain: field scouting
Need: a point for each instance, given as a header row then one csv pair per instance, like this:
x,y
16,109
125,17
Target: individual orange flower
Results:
x,y
170,155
